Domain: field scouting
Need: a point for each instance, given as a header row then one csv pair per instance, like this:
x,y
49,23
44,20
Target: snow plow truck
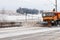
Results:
x,y
51,18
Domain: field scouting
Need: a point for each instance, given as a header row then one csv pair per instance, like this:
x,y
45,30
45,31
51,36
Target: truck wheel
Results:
x,y
52,23
58,24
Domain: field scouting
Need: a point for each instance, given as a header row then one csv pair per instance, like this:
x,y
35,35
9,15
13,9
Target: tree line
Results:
x,y
27,11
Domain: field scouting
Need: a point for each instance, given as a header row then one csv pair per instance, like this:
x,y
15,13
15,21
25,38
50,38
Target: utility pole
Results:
x,y
56,5
3,11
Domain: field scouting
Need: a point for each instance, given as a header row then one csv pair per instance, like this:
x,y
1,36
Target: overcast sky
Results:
x,y
33,4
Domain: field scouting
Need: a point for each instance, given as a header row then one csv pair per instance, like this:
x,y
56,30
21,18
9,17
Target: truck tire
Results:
x,y
59,22
54,23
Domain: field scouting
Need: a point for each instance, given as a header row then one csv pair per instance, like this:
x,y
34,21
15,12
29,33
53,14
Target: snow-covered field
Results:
x,y
5,17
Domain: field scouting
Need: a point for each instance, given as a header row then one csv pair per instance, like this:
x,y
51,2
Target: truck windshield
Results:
x,y
48,14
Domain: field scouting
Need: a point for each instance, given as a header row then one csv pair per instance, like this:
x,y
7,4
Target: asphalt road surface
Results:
x,y
39,34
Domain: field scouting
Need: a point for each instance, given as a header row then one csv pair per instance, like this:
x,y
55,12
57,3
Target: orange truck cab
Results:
x,y
51,18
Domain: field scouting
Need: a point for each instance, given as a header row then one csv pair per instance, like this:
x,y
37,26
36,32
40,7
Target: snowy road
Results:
x,y
30,33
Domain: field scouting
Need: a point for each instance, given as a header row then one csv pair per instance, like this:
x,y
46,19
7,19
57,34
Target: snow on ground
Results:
x,y
25,31
5,17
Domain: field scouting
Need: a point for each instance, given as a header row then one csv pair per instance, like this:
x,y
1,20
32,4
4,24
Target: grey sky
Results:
x,y
37,4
